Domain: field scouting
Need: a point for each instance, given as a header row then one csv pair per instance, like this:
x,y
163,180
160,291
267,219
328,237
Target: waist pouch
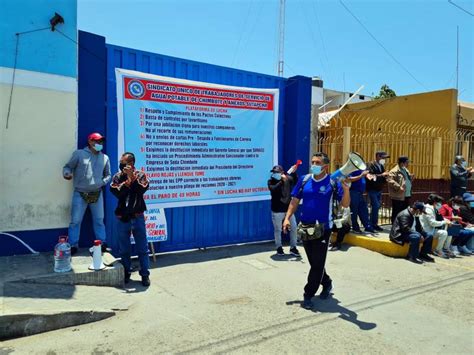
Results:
x,y
310,231
90,197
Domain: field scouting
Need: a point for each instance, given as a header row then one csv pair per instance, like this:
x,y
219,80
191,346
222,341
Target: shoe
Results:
x,y
105,248
449,253
440,254
357,231
326,292
464,250
146,281
280,251
369,230
334,247
378,229
427,258
73,251
307,303
295,252
415,260
126,278
454,250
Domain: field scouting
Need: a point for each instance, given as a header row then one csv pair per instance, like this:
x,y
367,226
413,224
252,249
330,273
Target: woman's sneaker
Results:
x,y
280,251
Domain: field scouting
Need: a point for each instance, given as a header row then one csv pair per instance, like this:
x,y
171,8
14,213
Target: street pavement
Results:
x,y
245,299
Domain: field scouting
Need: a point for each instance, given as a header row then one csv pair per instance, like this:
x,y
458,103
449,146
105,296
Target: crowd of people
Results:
x,y
329,206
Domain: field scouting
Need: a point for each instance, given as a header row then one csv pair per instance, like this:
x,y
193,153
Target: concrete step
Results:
x,y
40,269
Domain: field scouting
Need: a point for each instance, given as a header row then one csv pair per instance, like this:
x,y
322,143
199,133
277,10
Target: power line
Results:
x,y
241,33
382,46
321,36
459,7
313,37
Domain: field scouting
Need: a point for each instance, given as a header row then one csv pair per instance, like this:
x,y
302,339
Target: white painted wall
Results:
x,y
41,135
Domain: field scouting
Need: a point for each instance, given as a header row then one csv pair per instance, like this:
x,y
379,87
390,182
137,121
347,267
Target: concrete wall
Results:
x,y
42,124
436,108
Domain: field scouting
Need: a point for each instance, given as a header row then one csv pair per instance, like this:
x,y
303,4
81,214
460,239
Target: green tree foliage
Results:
x,y
385,93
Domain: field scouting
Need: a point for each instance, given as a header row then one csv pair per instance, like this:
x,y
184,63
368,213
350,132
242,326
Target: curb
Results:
x,y
382,246
20,325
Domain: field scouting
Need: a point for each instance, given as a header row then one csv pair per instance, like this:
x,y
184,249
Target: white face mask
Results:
x,y
456,207
382,161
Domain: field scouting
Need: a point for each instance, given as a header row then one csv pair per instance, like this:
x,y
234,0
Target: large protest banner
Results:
x,y
199,143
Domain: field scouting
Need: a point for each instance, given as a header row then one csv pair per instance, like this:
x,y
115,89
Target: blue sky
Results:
x,y
322,38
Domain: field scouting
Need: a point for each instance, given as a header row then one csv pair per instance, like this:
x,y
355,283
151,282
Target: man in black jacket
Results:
x,y
459,175
407,229
280,186
375,185
129,185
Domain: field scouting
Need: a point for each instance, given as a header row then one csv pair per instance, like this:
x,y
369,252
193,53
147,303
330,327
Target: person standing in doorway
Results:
x,y
400,186
90,169
375,185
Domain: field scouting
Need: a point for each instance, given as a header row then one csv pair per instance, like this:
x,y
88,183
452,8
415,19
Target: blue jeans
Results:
x,y
78,209
359,209
375,203
137,227
414,239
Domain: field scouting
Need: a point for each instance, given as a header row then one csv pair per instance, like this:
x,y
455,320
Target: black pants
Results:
x,y
316,251
341,233
399,206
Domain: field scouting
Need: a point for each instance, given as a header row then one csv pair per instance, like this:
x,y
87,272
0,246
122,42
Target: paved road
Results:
x,y
246,300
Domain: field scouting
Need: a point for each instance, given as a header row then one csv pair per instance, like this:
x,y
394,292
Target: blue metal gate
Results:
x,y
202,226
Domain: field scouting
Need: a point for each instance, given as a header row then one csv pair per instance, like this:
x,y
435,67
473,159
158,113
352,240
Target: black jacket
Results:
x,y
281,192
459,177
376,169
402,226
130,194
466,214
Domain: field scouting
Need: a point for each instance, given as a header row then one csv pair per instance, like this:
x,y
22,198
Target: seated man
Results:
x,y
406,228
434,224
342,226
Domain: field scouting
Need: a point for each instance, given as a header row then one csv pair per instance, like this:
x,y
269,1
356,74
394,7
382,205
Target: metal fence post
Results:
x,y
332,155
465,150
437,156
346,143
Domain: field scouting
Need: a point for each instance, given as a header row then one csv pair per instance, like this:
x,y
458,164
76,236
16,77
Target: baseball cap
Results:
x,y
382,154
277,169
468,197
403,159
420,206
95,136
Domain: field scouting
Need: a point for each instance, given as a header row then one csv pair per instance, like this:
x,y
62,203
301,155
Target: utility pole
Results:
x,y
281,39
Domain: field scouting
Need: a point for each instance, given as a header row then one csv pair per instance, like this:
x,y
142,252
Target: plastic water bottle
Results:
x,y
62,256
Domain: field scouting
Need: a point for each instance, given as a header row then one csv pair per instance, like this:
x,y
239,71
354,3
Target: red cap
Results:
x,y
95,136
97,243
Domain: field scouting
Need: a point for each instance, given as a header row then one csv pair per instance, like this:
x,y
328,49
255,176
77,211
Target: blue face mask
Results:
x,y
276,176
316,169
471,204
438,206
98,147
464,164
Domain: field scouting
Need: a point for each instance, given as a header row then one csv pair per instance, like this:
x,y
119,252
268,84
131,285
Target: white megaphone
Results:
x,y
353,163
97,263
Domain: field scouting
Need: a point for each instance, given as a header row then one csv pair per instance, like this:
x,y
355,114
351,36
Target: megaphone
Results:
x,y
353,163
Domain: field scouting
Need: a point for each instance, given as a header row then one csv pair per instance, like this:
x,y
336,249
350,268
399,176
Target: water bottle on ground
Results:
x,y
62,255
